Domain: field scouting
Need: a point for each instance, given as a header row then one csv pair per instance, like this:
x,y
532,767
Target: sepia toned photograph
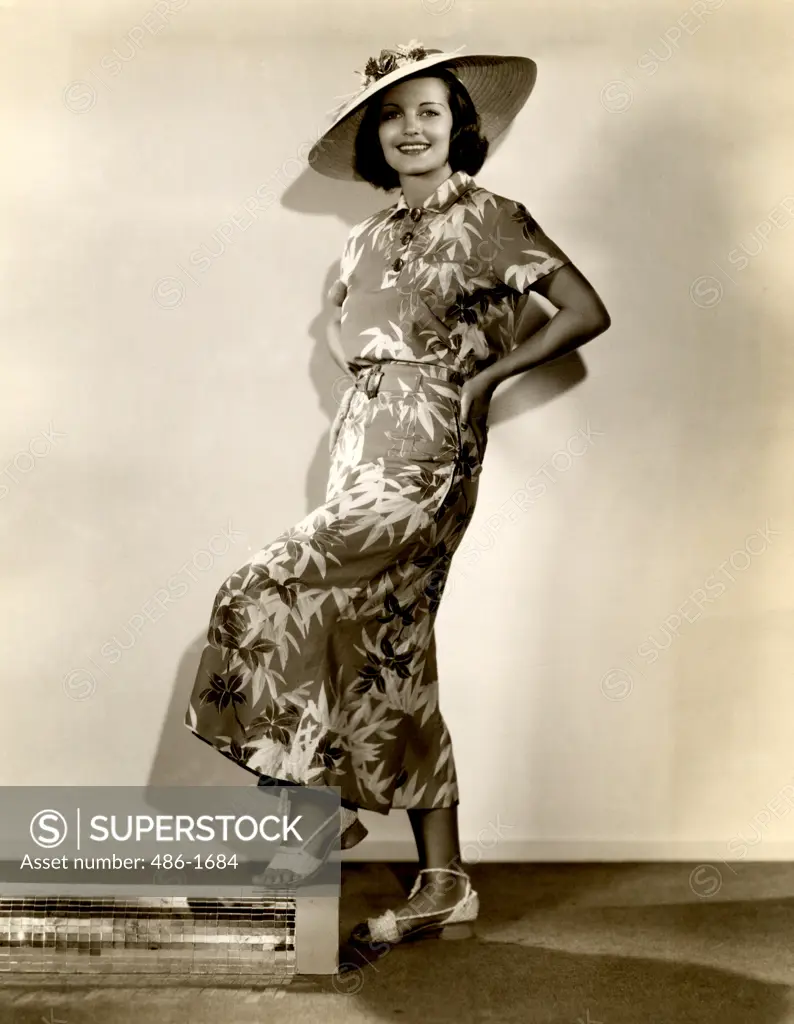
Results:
x,y
397,511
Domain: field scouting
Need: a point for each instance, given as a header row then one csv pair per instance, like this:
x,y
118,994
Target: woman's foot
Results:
x,y
291,864
441,903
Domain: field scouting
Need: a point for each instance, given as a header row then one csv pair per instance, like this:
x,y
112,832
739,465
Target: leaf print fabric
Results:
x,y
320,665
529,255
442,282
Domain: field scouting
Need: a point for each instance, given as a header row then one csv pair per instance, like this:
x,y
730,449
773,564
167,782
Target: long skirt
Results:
x,y
320,662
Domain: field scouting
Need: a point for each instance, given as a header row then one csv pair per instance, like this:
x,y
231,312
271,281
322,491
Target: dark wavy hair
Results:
x,y
468,148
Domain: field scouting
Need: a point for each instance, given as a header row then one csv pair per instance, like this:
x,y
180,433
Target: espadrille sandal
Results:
x,y
454,923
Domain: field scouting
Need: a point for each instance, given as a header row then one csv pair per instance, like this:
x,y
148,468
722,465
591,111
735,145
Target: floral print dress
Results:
x,y
320,665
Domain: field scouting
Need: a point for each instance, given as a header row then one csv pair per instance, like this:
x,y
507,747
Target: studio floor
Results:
x,y
555,944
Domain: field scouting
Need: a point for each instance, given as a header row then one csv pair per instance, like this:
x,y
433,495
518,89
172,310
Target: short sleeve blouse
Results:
x,y
441,282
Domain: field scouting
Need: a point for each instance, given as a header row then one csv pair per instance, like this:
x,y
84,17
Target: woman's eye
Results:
x,y
390,114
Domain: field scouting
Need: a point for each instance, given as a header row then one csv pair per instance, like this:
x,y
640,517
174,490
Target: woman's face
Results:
x,y
415,125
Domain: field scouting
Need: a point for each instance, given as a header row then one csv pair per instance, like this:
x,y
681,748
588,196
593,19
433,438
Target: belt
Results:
x,y
370,378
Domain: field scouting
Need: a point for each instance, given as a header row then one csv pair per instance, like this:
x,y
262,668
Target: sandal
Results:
x,y
297,860
303,864
384,931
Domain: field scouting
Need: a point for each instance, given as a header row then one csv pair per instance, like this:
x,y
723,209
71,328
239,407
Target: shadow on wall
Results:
x,y
182,759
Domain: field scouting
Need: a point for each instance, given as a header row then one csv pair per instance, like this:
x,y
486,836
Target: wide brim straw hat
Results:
x,y
499,87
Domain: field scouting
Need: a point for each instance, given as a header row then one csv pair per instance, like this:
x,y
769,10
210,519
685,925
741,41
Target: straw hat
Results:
x,y
498,86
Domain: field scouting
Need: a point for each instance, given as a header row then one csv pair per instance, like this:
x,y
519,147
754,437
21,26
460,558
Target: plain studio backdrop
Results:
x,y
616,642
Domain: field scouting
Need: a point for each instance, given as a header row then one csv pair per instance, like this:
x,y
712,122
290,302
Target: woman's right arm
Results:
x,y
334,341
337,296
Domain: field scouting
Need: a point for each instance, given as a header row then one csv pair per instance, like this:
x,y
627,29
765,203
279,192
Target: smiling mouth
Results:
x,y
414,147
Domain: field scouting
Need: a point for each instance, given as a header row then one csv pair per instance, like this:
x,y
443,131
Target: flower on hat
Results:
x,y
378,67
390,60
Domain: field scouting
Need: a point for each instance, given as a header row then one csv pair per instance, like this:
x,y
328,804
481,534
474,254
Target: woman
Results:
x,y
320,666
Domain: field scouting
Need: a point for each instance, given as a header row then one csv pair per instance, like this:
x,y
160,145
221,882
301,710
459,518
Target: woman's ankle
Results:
x,y
444,879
